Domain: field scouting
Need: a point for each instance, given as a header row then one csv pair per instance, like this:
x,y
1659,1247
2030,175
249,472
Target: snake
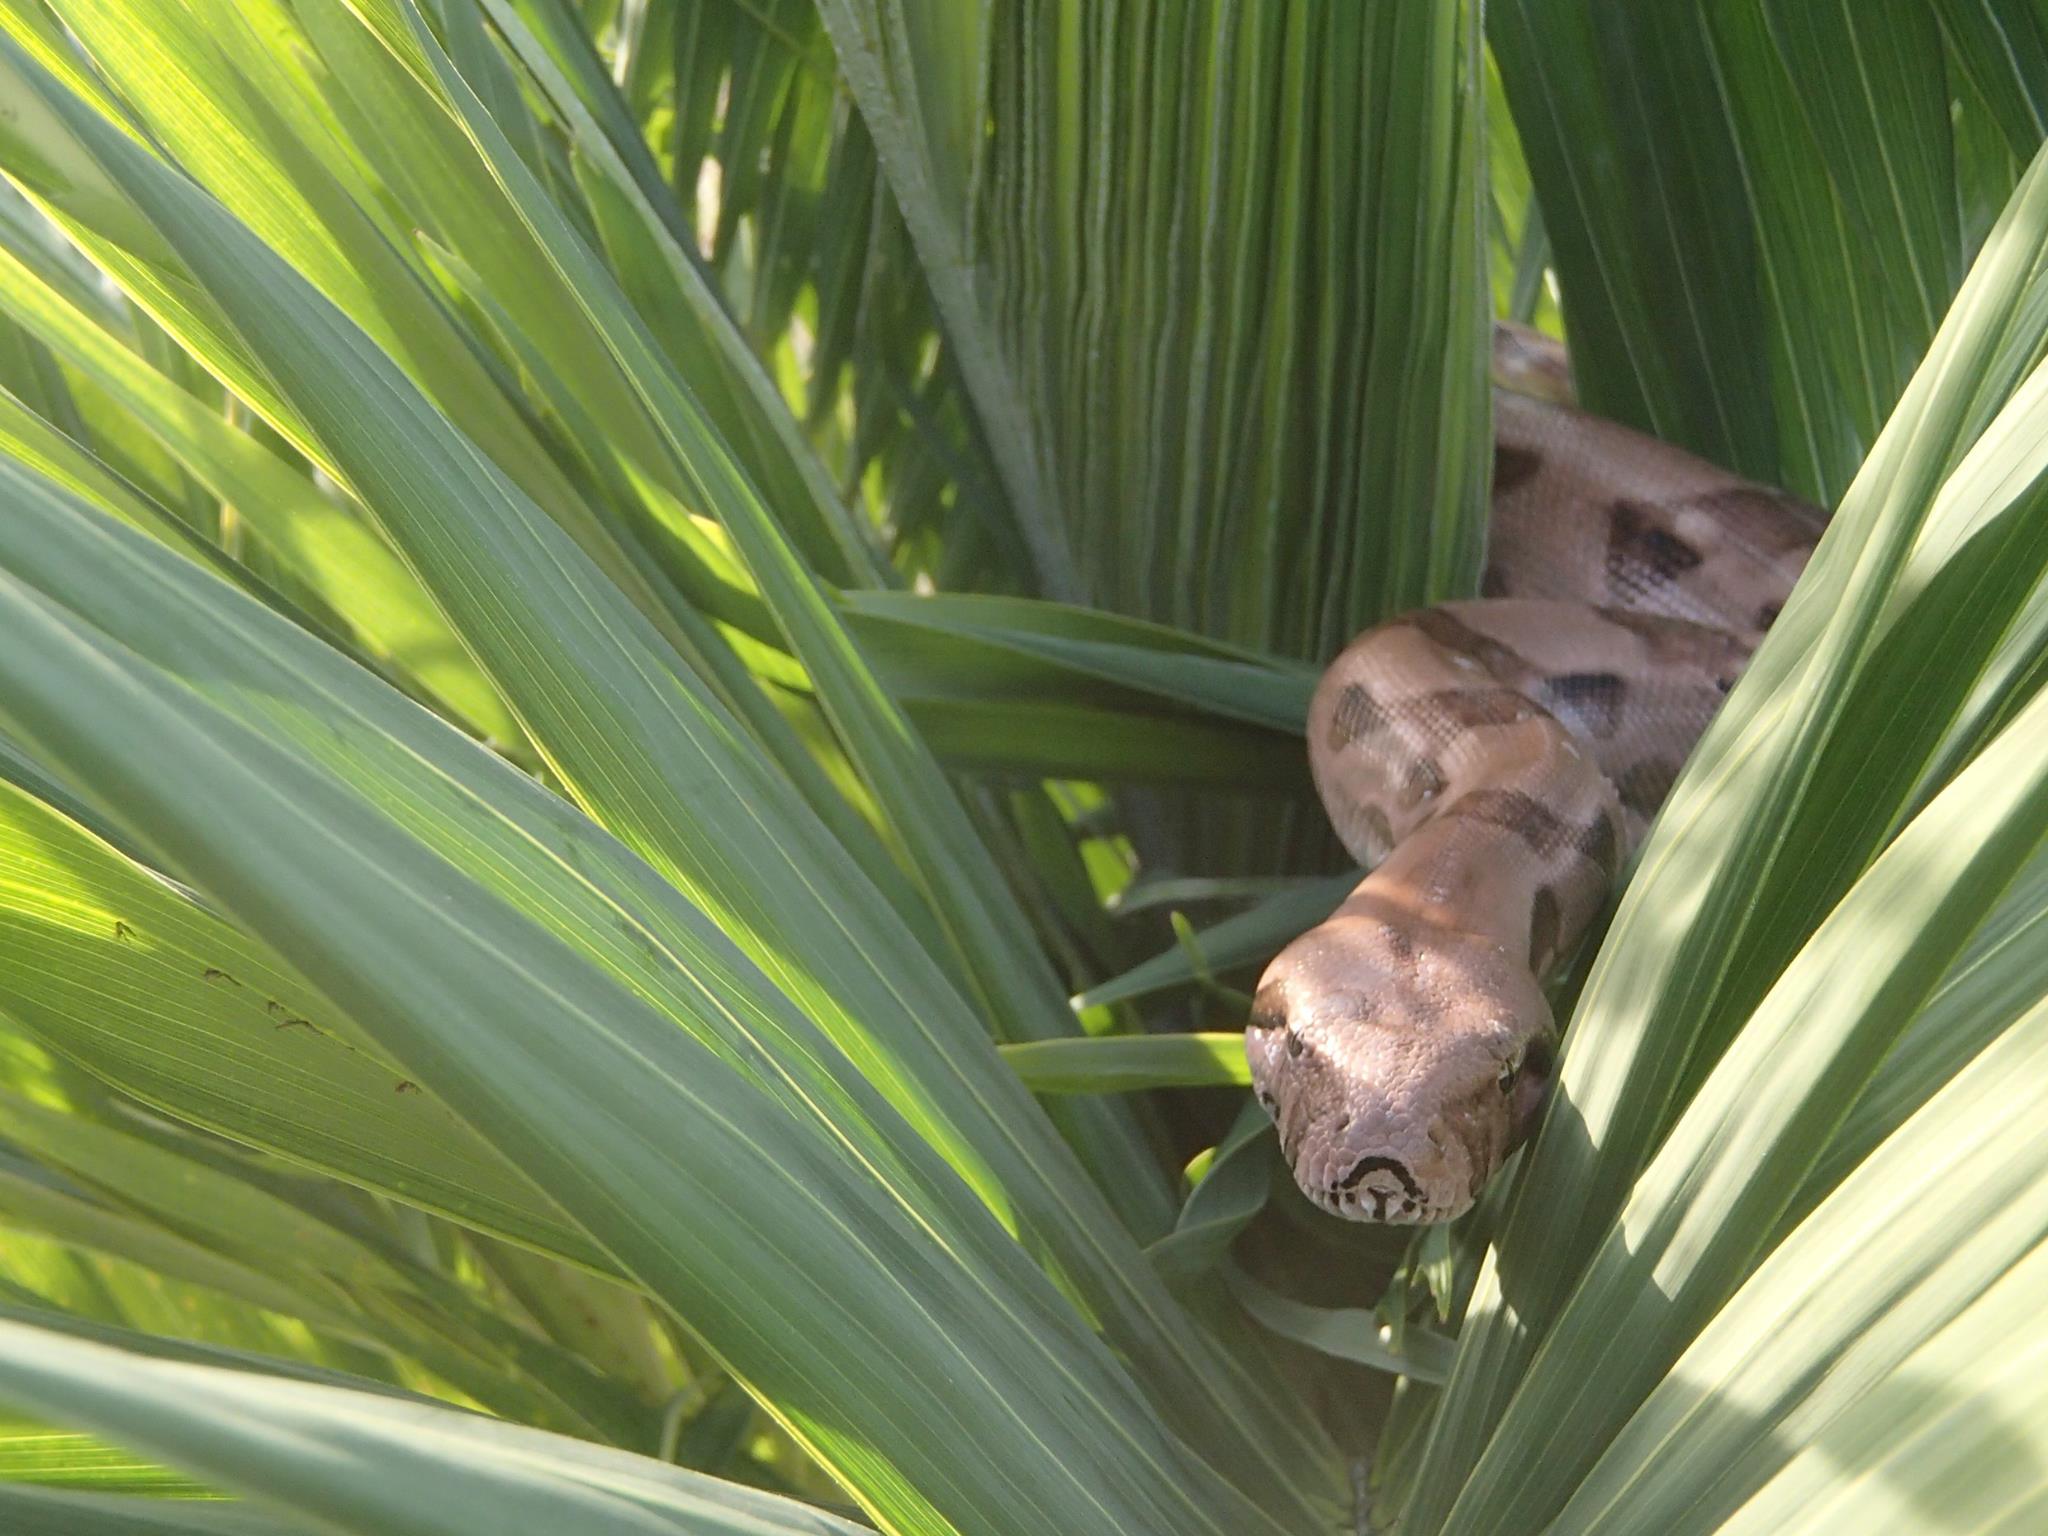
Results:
x,y
1493,764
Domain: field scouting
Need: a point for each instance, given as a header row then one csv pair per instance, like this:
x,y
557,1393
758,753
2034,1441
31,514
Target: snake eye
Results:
x,y
1510,1070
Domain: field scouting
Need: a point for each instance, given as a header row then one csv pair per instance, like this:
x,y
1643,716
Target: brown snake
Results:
x,y
1494,763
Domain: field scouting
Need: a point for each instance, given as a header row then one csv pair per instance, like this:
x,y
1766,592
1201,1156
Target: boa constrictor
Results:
x,y
1494,763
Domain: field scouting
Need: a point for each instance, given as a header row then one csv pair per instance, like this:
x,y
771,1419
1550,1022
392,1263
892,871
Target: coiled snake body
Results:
x,y
1493,763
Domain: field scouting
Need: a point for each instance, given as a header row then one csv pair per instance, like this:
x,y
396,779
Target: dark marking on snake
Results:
x,y
1467,709
1423,779
1513,467
1644,784
1767,615
1400,943
1393,1165
1357,714
1600,845
1541,828
1296,1046
1680,642
1494,582
1594,699
1514,811
1763,514
1638,550
1454,634
1545,922
1656,631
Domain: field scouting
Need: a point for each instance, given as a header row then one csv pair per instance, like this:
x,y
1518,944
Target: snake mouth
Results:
x,y
1386,1186
1382,1190
1370,1165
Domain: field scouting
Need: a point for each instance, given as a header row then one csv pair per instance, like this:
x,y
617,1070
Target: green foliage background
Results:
x,y
652,650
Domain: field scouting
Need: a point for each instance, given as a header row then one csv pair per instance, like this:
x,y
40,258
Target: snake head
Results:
x,y
1401,1067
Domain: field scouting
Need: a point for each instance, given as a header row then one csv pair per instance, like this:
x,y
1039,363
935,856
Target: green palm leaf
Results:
x,y
482,964
386,1465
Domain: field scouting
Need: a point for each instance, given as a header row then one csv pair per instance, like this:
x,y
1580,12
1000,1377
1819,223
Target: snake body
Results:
x,y
1494,763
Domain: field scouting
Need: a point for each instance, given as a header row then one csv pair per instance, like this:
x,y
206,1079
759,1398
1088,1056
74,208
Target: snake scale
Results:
x,y
1494,763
